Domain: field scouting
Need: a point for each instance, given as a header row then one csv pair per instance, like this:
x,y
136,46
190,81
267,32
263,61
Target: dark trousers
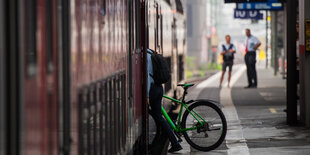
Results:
x,y
156,94
250,61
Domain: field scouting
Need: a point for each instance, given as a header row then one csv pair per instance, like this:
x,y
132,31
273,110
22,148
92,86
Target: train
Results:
x,y
73,73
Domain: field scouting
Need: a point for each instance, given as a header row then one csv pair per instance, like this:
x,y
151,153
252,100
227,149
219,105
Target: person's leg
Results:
x,y
254,72
224,65
156,93
229,73
255,76
253,69
248,69
229,76
223,73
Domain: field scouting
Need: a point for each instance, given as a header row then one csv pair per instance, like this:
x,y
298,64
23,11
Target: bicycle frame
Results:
x,y
178,128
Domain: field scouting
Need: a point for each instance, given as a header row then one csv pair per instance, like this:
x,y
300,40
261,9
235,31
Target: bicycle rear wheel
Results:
x,y
212,133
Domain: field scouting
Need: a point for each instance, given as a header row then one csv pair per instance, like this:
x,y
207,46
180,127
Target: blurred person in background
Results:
x,y
227,51
251,44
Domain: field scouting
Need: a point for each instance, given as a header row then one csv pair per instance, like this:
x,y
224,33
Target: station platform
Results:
x,y
256,118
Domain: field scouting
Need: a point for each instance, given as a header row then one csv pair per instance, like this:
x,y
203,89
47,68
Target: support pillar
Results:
x,y
291,83
304,57
274,42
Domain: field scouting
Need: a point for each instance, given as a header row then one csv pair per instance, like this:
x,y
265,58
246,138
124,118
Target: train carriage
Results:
x,y
72,73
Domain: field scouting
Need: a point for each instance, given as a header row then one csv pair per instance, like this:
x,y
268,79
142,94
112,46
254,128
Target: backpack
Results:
x,y
161,69
228,56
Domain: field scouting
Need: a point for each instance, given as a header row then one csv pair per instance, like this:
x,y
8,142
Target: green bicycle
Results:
x,y
203,123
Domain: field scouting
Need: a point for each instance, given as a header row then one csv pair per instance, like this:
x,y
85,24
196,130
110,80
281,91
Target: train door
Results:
x,y
51,73
136,26
39,76
10,78
64,102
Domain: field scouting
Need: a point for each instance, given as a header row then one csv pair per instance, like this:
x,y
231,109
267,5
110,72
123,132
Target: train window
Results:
x,y
97,117
168,1
103,8
102,128
49,35
161,34
117,112
31,39
83,117
138,27
92,119
134,33
114,116
108,117
156,28
180,68
168,84
124,108
189,18
179,6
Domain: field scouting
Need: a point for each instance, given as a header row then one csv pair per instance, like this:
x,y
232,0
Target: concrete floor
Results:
x,y
256,120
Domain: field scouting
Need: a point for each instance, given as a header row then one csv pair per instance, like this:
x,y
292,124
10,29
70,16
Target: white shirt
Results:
x,y
251,42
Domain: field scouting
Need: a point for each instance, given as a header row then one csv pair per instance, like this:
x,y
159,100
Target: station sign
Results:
x,y
260,6
253,1
243,1
248,14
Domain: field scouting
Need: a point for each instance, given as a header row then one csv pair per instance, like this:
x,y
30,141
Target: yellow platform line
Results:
x,y
272,110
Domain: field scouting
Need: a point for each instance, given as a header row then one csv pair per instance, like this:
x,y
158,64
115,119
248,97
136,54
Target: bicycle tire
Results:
x,y
188,137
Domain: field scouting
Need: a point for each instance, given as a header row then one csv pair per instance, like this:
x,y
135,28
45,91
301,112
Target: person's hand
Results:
x,y
148,101
231,51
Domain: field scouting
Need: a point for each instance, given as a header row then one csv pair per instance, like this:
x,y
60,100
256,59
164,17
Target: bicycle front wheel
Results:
x,y
211,133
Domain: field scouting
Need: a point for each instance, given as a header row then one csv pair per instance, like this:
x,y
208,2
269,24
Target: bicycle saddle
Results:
x,y
186,85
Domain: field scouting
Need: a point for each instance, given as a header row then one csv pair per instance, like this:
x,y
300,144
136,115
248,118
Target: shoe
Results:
x,y
254,86
175,148
249,86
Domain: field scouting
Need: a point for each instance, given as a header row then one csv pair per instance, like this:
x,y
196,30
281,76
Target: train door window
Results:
x,y
31,46
49,35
